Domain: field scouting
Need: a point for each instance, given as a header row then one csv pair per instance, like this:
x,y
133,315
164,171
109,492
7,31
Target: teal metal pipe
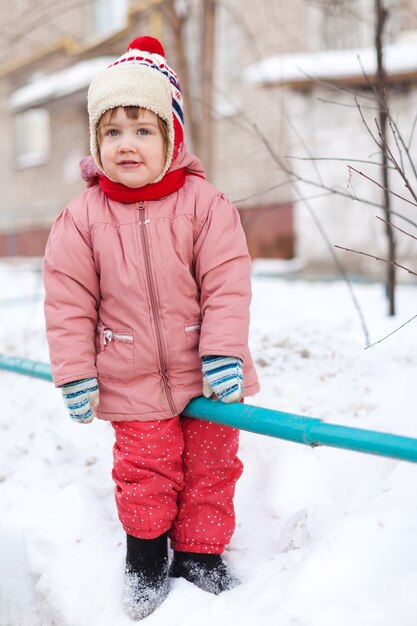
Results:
x,y
300,429
25,366
289,426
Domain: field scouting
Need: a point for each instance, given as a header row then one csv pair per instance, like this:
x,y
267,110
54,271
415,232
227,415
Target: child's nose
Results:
x,y
126,144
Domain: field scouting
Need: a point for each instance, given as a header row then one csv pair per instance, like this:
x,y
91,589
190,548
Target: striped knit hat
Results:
x,y
142,78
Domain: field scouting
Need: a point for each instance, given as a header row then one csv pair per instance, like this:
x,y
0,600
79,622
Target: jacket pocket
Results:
x,y
115,353
192,330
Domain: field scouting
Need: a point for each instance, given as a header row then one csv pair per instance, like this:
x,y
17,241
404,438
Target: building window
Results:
x,y
32,137
226,60
343,24
109,16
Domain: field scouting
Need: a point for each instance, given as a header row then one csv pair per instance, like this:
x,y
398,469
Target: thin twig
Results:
x,y
410,141
339,266
370,84
377,258
345,104
318,224
288,156
403,217
396,138
407,150
331,85
261,193
266,209
400,169
306,148
396,227
301,179
365,123
382,186
392,333
338,192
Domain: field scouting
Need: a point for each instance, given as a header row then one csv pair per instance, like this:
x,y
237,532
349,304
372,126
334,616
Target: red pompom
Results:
x,y
147,44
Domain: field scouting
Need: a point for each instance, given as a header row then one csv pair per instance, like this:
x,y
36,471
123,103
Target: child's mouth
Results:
x,y
129,163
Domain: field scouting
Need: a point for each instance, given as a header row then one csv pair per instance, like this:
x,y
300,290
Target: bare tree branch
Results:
x,y
403,217
410,141
261,193
345,104
396,138
397,228
381,186
399,169
306,148
372,256
346,160
339,266
365,123
319,226
390,334
297,177
406,148
326,83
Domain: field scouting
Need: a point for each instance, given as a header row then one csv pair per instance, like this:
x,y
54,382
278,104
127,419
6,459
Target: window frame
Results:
x,y
32,137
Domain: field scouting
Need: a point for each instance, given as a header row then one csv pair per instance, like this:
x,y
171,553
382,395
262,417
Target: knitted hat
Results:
x,y
140,78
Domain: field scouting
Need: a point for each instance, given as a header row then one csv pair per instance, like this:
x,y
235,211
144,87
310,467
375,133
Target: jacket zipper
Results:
x,y
109,335
193,328
154,305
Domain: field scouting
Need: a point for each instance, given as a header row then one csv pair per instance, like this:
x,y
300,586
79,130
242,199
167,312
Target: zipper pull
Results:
x,y
143,219
141,209
107,336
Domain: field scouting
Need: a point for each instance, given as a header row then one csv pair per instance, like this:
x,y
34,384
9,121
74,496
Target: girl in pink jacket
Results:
x,y
147,279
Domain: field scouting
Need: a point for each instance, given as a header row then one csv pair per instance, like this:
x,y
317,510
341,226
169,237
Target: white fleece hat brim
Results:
x,y
130,84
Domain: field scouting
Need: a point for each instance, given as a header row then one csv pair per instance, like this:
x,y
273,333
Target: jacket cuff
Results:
x,y
63,380
216,352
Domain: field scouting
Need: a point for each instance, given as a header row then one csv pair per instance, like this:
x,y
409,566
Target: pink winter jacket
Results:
x,y
137,293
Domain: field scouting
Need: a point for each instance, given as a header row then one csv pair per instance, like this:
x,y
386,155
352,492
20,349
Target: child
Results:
x,y
147,279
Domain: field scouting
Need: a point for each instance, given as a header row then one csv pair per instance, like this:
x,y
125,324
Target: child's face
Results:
x,y
132,152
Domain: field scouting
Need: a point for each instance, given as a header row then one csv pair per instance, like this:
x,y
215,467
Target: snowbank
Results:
x,y
324,538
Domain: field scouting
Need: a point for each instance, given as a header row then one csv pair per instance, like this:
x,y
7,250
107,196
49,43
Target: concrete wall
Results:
x,y
244,165
333,130
35,43
30,197
250,122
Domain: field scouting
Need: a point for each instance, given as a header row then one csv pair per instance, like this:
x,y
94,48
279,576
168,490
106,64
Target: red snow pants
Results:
x,y
178,474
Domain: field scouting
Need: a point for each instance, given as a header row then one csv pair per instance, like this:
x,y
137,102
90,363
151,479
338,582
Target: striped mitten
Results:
x,y
80,397
223,376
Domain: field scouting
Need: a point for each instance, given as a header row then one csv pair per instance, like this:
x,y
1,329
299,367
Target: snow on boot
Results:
x,y
146,575
207,571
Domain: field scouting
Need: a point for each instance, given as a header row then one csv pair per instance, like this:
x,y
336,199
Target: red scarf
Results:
x,y
172,181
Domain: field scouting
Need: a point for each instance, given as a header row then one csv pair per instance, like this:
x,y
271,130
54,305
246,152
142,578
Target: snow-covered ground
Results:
x,y
325,537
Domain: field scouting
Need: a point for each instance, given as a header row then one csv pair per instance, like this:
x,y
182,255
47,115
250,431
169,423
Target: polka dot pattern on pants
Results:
x,y
177,474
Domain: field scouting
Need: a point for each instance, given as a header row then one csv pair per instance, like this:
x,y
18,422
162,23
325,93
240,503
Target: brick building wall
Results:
x,y
47,37
39,39
30,197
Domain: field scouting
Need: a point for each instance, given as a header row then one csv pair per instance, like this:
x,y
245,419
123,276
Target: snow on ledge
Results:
x,y
399,58
276,267
62,83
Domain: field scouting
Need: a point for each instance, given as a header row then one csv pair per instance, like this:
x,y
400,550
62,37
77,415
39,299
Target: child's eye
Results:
x,y
112,132
143,131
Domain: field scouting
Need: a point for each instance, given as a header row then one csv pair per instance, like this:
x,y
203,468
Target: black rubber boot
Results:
x,y
146,575
207,571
